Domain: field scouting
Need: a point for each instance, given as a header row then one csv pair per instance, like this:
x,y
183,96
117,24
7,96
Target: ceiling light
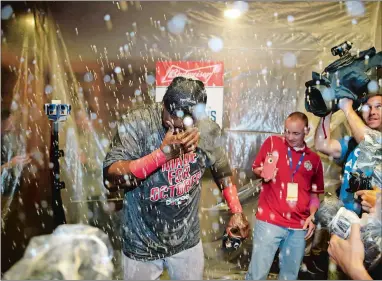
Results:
x,y
232,13
30,21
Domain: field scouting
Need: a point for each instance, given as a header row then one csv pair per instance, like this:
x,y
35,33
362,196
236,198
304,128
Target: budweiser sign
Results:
x,y
211,74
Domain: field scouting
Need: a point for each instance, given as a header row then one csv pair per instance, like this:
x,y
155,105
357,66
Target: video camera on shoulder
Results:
x,y
347,77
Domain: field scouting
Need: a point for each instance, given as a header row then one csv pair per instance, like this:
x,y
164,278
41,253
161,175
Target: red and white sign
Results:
x,y
210,73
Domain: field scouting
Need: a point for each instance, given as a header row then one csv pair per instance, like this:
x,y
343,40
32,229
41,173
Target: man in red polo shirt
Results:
x,y
288,200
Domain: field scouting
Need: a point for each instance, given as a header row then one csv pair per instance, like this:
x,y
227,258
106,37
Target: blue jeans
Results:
x,y
186,265
267,238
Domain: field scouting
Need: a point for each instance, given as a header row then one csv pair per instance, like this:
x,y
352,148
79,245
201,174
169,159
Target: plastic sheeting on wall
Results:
x,y
268,53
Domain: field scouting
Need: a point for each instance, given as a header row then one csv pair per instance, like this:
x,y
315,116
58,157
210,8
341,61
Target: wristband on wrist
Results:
x,y
232,199
314,202
145,166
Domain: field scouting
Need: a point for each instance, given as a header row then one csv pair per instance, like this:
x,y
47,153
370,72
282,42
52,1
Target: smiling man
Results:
x,y
288,200
349,150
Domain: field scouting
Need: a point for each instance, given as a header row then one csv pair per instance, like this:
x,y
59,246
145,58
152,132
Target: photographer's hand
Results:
x,y
345,105
357,126
349,254
369,198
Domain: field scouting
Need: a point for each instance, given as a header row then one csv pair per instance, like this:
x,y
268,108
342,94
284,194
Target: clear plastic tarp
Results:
x,y
71,252
268,54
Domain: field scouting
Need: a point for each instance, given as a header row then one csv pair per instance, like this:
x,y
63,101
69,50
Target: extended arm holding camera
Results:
x,y
331,147
323,143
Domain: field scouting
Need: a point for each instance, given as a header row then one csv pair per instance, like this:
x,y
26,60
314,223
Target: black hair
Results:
x,y
183,94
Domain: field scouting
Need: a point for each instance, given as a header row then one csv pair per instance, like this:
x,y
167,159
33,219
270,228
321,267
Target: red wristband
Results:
x,y
143,167
314,201
232,199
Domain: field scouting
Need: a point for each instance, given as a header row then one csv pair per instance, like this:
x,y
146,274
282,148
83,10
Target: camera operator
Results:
x,y
369,127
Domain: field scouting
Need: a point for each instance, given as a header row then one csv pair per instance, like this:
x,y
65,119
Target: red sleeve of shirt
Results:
x,y
260,157
318,178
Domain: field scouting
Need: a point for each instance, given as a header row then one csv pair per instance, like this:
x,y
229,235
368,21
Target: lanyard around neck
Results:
x,y
291,162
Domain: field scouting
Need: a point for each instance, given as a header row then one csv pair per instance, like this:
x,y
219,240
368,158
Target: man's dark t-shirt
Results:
x,y
160,217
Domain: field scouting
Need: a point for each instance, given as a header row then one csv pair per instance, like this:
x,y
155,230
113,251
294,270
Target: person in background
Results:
x,y
10,161
347,149
288,200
